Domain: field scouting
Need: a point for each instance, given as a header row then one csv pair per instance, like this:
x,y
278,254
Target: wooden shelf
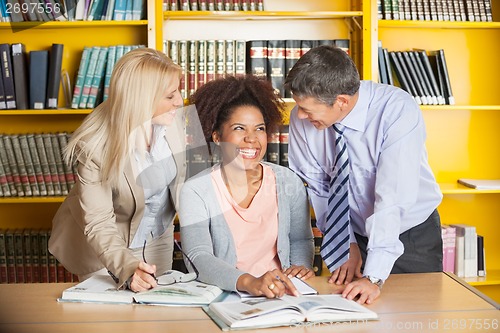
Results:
x,y
261,15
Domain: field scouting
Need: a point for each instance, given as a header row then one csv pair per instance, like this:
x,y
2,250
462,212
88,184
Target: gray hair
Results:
x,y
323,73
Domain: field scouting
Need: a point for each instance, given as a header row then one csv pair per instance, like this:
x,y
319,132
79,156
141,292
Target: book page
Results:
x,y
186,293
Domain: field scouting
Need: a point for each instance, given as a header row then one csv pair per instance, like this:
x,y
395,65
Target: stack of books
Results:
x,y
423,74
206,60
435,10
30,82
94,74
31,165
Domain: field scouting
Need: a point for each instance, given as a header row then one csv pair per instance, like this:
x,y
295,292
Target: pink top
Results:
x,y
254,229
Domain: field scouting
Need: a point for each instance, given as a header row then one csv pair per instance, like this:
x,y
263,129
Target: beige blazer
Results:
x,y
96,223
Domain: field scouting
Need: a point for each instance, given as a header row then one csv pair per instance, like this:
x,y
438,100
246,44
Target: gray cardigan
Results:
x,y
207,239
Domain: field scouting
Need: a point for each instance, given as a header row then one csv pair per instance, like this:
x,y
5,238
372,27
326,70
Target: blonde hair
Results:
x,y
108,135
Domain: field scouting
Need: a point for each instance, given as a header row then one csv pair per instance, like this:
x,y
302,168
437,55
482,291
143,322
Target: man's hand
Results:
x,y
367,291
350,269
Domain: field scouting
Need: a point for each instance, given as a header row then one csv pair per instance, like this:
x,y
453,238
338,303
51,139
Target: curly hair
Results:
x,y
216,100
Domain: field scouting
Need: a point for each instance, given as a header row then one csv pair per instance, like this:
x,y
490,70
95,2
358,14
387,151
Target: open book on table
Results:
x,y
102,289
286,311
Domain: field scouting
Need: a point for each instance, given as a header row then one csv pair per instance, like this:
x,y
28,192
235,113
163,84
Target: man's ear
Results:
x,y
343,100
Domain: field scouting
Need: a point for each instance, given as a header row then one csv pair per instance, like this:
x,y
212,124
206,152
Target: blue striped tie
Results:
x,y
335,246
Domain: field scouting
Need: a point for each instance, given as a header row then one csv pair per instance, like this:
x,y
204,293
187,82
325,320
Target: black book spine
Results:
x,y
422,54
257,57
421,77
382,68
284,145
417,81
292,54
3,104
481,269
318,239
273,148
276,65
8,79
388,65
450,100
39,65
20,75
54,75
400,75
408,77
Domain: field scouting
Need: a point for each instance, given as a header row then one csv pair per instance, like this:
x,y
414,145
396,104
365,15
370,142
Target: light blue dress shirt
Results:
x,y
392,187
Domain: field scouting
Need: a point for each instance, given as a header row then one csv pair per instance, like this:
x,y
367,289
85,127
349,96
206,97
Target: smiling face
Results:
x,y
321,115
243,137
170,100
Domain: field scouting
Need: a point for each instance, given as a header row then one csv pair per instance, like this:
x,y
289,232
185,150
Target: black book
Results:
x,y
422,54
417,82
3,105
276,65
20,75
39,66
388,66
403,76
432,97
273,148
292,54
382,68
399,72
257,58
318,239
450,100
54,75
424,82
284,145
481,269
8,79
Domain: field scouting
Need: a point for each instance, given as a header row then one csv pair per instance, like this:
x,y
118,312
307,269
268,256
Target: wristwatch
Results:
x,y
375,281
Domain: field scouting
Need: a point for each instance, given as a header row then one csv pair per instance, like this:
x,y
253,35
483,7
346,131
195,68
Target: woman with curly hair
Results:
x,y
245,223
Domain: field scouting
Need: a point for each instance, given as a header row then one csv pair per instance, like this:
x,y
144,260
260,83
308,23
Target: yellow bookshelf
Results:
x,y
463,140
37,212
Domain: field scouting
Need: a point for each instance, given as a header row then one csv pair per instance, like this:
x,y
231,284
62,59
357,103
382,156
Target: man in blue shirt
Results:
x,y
392,193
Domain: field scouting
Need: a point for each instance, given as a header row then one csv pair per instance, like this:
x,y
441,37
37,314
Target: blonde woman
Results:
x,y
131,160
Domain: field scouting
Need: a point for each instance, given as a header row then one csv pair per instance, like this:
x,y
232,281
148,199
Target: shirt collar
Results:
x,y
356,119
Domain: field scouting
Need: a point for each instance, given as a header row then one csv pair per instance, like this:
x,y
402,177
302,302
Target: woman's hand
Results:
x,y
300,272
143,278
272,284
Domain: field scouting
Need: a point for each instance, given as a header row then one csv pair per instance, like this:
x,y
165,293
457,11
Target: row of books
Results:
x,y
435,10
32,165
30,82
463,250
94,74
423,74
71,10
213,5
205,60
25,258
